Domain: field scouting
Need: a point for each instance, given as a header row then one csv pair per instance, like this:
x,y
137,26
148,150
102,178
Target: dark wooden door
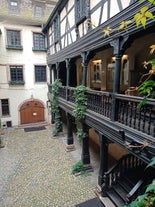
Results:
x,y
31,112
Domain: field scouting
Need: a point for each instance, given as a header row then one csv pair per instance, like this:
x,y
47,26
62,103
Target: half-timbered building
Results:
x,y
111,66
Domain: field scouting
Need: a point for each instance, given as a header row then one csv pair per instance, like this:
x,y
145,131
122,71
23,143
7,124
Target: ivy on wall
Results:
x,y
55,107
79,111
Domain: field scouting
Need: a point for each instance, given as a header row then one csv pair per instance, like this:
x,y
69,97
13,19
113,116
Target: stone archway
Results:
x,y
31,111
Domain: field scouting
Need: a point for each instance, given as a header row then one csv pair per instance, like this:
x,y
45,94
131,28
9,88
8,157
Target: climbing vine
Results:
x,y
79,111
55,107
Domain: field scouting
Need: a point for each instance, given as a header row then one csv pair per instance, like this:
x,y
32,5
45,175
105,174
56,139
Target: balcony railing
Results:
x,y
130,114
100,102
119,108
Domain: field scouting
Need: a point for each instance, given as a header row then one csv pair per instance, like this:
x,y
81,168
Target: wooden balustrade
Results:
x,y
99,102
126,163
130,114
126,108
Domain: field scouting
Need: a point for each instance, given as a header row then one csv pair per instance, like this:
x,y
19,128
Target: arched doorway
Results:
x,y
31,111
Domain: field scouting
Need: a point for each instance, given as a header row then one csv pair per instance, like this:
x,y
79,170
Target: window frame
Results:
x,y
14,9
38,14
56,29
16,75
13,39
40,41
80,11
39,74
2,106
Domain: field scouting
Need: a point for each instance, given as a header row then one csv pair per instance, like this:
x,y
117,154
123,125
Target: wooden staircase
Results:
x,y
126,180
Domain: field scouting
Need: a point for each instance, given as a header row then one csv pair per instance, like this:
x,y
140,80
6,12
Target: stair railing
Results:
x,y
126,163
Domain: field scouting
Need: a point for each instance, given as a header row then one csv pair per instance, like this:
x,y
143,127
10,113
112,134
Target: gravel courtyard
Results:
x,y
35,171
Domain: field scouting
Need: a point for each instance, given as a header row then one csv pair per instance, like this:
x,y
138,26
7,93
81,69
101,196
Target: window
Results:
x,y
13,39
38,41
80,10
38,11
56,29
5,107
40,74
14,6
16,75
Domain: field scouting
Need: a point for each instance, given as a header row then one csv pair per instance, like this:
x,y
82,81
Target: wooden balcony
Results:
x,y
118,117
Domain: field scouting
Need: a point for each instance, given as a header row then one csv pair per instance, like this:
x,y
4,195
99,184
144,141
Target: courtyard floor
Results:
x,y
35,171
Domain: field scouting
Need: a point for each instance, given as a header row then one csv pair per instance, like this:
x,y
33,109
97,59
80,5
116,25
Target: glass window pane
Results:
x,y
40,73
5,107
38,41
13,38
16,73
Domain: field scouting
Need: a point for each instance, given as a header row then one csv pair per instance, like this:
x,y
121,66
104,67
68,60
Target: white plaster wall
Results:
x,y
18,94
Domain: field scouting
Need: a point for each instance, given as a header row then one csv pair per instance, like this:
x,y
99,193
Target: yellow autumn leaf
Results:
x,y
144,9
142,16
107,31
124,25
152,47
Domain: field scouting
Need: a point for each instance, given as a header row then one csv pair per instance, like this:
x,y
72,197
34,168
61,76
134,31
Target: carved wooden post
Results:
x,y
85,157
86,56
70,139
68,66
85,62
57,70
103,158
119,46
50,68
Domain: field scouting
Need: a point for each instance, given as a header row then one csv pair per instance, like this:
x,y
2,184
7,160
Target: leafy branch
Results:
x,y
139,18
79,111
55,107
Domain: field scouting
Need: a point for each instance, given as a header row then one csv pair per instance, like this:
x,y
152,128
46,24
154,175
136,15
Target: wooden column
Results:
x,y
85,157
68,66
103,158
50,68
57,70
70,139
119,44
86,56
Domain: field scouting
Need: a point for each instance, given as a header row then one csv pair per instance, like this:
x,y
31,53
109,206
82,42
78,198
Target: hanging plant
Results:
x,y
55,107
79,111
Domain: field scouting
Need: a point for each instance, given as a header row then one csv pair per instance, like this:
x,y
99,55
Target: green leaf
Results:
x,y
151,163
149,15
152,62
152,2
151,187
144,9
143,21
142,103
